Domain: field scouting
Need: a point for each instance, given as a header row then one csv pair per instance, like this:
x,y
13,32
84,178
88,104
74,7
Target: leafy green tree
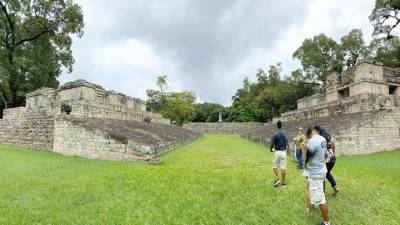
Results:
x,y
319,57
35,42
156,101
244,107
386,51
180,107
272,97
353,47
385,17
208,112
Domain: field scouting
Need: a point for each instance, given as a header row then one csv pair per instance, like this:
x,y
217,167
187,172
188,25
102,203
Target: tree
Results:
x,y
180,107
386,51
162,83
385,17
319,57
208,112
272,96
244,107
353,47
177,106
156,101
35,42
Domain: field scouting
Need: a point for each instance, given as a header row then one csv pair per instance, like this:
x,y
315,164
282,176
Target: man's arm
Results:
x,y
271,146
310,147
287,142
333,146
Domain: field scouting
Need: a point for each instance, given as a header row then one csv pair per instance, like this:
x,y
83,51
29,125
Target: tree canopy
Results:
x,y
385,17
319,57
353,48
179,107
35,43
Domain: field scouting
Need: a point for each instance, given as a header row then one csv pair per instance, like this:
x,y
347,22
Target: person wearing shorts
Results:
x,y
316,148
279,145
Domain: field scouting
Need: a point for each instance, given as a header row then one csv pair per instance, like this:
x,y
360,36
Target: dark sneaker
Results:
x,y
323,223
283,185
276,183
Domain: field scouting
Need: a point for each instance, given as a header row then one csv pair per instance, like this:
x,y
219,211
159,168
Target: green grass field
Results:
x,y
215,180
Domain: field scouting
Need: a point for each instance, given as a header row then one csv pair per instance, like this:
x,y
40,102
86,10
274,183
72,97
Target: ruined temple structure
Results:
x,y
360,109
84,119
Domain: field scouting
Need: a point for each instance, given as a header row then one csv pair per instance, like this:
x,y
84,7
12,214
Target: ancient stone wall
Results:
x,y
120,140
41,98
74,140
82,119
82,90
223,128
14,113
312,101
356,133
379,133
359,103
35,131
89,109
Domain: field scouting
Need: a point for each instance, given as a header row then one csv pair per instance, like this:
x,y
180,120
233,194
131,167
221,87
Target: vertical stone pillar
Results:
x,y
220,118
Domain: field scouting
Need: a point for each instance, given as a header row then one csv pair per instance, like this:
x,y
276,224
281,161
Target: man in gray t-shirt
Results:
x,y
316,168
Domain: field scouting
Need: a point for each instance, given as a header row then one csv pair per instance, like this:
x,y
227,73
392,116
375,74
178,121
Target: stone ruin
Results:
x,y
360,109
84,119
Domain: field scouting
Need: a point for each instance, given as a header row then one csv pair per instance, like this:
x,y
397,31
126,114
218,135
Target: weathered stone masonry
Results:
x,y
361,110
223,128
83,119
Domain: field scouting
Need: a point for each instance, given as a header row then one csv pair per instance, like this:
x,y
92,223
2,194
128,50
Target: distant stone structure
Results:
x,y
365,87
83,119
361,110
223,128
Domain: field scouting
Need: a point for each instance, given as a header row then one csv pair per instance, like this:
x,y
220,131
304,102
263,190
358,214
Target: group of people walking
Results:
x,y
315,153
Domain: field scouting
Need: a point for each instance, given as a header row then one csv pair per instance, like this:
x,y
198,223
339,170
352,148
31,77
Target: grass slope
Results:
x,y
215,180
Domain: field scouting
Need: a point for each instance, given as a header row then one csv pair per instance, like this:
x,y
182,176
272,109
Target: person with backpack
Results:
x,y
330,157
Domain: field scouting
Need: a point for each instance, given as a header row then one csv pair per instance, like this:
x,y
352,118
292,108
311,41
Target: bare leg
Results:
x,y
283,174
276,173
307,198
324,211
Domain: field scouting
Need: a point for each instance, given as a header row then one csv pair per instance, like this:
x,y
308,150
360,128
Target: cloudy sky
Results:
x,y
206,46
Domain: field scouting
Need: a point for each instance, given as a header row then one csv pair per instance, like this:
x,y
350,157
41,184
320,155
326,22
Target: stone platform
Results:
x,y
356,133
83,119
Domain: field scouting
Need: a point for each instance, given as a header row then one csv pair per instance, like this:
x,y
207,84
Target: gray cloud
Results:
x,y
204,46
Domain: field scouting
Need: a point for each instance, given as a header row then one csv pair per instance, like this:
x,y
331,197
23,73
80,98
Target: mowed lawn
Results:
x,y
215,180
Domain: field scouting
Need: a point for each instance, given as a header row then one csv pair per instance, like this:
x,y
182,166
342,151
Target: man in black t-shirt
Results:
x,y
279,145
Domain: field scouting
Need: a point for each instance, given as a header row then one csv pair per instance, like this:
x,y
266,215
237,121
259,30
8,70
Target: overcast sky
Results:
x,y
205,46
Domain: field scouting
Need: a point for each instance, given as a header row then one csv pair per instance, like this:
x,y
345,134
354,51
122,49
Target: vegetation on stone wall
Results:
x,y
35,44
